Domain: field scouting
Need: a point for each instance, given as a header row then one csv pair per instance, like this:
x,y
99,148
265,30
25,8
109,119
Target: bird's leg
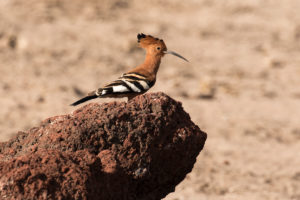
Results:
x,y
130,97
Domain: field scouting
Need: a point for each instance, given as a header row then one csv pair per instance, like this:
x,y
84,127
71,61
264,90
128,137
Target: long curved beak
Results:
x,y
176,54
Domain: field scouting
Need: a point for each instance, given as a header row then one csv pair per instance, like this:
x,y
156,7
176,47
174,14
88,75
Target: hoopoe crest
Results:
x,y
138,80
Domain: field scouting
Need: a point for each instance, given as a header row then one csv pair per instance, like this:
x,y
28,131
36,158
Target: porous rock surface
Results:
x,y
120,150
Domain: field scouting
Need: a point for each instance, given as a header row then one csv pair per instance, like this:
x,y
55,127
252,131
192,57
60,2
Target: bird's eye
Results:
x,y
158,48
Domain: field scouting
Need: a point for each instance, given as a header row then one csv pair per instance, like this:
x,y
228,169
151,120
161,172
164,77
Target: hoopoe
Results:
x,y
138,80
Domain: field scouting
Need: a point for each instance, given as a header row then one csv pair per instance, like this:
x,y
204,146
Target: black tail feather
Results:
x,y
84,99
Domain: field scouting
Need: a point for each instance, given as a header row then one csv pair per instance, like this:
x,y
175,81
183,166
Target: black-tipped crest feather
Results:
x,y
140,36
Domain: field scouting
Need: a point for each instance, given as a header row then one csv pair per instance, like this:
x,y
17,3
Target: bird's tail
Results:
x,y
84,99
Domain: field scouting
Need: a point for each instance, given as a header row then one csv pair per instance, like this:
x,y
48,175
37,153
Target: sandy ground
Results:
x,y
241,85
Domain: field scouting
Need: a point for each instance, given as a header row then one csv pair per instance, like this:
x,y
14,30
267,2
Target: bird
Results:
x,y
138,80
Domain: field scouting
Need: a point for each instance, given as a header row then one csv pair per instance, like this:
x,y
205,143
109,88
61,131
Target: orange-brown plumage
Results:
x,y
155,49
138,80
146,41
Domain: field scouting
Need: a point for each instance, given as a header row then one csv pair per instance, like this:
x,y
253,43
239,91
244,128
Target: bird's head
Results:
x,y
155,46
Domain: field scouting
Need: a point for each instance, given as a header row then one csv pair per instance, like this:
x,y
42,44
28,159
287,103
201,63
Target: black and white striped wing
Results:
x,y
130,83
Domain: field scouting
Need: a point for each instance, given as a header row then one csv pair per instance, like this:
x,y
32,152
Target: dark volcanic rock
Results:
x,y
136,150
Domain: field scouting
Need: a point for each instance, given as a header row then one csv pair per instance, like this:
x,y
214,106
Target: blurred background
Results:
x,y
241,85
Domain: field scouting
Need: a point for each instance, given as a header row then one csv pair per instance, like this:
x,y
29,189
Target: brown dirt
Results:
x,y
241,85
